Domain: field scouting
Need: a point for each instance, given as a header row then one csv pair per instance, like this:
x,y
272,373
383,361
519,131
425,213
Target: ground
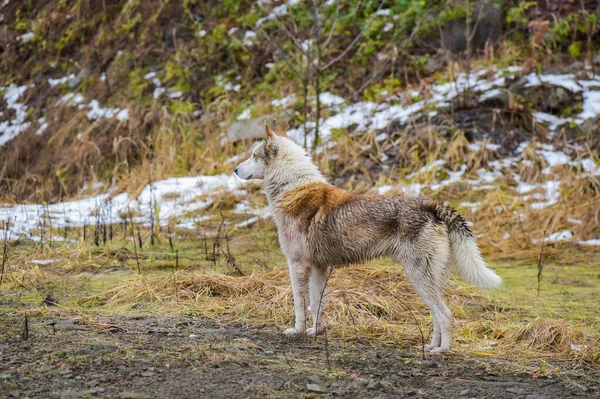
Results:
x,y
87,318
145,356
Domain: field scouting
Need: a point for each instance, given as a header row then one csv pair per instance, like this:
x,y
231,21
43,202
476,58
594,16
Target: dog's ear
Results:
x,y
270,132
277,128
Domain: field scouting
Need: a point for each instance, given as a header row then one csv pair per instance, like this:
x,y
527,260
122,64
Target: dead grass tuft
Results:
x,y
367,304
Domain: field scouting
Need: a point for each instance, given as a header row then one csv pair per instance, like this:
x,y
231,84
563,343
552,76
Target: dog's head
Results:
x,y
264,155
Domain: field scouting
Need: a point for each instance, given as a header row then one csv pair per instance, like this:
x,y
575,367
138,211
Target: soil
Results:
x,y
145,356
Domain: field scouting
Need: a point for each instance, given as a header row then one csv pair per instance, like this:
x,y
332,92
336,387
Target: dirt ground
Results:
x,y
144,356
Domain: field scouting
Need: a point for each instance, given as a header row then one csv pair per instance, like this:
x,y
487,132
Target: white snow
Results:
x,y
43,261
245,115
25,37
555,158
175,197
278,11
43,126
329,99
383,189
97,112
285,101
248,36
591,98
591,104
564,235
427,168
594,241
9,129
59,81
158,92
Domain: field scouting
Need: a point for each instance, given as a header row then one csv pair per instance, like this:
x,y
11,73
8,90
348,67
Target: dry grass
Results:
x,y
368,304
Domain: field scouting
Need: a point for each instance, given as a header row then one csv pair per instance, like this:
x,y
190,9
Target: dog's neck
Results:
x,y
293,168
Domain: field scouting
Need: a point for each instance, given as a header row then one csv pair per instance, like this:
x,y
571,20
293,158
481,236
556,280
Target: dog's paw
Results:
x,y
315,331
431,347
290,332
440,350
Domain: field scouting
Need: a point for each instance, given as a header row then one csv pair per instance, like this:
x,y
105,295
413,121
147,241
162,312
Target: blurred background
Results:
x,y
492,106
121,123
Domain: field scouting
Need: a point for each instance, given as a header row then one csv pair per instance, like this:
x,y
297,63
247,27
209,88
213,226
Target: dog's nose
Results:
x,y
235,171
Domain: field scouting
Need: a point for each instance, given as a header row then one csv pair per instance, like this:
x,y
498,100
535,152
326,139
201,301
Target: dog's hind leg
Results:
x,y
299,273
421,276
317,283
426,268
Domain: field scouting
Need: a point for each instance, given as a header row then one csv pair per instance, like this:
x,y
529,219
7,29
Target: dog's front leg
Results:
x,y
318,281
299,273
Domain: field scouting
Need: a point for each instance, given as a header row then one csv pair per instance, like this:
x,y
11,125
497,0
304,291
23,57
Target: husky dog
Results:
x,y
321,227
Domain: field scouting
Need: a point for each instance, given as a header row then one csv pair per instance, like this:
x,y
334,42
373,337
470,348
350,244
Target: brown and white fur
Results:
x,y
321,227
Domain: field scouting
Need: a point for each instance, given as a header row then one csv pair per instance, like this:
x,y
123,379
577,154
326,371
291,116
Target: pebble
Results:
x,y
315,388
133,395
374,384
429,365
46,367
315,379
69,395
470,393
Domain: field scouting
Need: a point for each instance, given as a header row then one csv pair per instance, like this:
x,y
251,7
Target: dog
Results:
x,y
321,227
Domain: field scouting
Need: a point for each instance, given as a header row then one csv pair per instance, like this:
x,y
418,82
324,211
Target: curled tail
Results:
x,y
465,253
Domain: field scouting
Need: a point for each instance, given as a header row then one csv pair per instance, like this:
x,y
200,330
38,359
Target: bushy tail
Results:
x,y
465,253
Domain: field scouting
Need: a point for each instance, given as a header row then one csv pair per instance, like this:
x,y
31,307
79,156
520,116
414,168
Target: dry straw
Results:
x,y
367,304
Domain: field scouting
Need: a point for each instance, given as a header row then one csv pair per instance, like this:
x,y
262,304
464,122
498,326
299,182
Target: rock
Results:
x,y
49,301
76,81
69,325
536,396
433,64
470,393
103,348
148,374
314,379
417,373
247,129
374,385
315,388
576,66
487,21
45,368
426,364
133,395
588,126
558,98
96,390
69,395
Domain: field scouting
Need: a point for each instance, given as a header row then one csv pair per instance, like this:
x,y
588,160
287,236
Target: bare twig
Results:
x,y
137,259
5,250
540,265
